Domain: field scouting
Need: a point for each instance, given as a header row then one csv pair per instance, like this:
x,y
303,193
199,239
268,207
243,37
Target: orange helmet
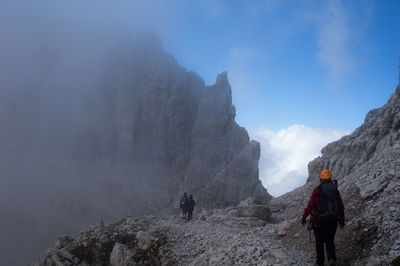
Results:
x,y
326,174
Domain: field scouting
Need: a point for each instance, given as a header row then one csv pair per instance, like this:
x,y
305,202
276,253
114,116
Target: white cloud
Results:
x,y
334,39
338,25
285,154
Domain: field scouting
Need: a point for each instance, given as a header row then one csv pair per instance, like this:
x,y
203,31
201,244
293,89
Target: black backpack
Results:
x,y
328,204
190,203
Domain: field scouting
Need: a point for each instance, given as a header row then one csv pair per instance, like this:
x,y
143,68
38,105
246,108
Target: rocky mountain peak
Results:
x,y
222,80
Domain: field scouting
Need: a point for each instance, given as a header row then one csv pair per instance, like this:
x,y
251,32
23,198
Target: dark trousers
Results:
x,y
325,235
190,214
184,211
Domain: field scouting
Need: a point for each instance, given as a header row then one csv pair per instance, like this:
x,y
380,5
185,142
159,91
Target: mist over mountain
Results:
x,y
99,130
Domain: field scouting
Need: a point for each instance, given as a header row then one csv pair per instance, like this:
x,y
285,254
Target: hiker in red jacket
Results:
x,y
327,210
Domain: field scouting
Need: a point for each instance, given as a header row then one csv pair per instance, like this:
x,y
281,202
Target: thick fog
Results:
x,y
55,143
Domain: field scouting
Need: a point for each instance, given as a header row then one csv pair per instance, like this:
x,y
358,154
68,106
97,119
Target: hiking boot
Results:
x,y
332,262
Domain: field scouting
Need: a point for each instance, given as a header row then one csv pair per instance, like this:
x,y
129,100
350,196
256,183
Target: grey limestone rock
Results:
x,y
253,207
144,240
121,255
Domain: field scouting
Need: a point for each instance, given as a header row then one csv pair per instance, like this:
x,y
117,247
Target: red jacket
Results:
x,y
312,203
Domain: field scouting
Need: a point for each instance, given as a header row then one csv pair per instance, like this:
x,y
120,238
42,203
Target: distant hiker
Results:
x,y
326,209
190,207
183,204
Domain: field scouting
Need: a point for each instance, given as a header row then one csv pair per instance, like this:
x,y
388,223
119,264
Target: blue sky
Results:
x,y
303,73
322,64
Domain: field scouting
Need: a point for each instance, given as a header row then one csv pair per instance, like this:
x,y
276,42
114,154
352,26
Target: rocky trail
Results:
x,y
240,241
217,238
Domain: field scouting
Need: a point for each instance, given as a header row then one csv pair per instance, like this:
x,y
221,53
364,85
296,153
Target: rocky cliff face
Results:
x,y
109,129
366,164
378,134
174,134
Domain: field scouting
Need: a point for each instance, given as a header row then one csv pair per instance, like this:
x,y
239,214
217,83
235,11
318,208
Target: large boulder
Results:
x,y
121,255
254,207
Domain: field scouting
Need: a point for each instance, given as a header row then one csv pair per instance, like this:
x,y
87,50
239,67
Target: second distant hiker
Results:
x,y
183,204
190,207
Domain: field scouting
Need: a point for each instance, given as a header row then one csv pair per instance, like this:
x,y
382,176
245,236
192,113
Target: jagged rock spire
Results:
x,y
222,79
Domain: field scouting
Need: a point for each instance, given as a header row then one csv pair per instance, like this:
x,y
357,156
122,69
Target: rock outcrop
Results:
x,y
254,207
366,164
